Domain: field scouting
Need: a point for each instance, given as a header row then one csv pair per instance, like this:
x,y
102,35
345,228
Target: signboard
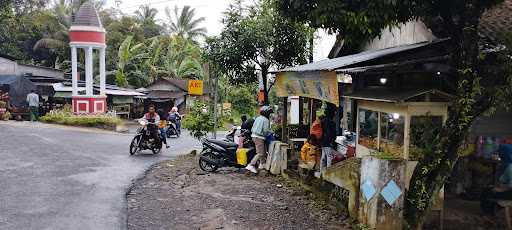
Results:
x,y
319,85
195,87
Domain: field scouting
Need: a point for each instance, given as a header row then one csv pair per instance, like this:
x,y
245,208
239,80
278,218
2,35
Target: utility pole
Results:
x,y
215,103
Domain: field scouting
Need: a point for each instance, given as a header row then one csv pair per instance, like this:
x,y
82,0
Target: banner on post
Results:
x,y
195,87
321,85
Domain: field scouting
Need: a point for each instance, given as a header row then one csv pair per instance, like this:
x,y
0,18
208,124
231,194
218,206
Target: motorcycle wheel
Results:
x,y
157,149
168,132
205,166
133,146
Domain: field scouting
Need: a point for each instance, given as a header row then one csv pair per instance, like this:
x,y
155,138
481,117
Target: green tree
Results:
x,y
184,23
260,40
483,81
199,121
146,17
58,41
117,31
127,69
243,99
182,60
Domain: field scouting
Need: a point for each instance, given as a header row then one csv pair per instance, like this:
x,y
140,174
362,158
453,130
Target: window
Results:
x,y
424,132
392,133
368,128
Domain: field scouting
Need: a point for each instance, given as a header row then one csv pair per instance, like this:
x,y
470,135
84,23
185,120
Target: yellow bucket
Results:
x,y
241,156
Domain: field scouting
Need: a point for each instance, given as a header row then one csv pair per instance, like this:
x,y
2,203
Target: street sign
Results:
x,y
195,87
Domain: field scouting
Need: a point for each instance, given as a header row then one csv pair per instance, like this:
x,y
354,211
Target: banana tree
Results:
x,y
128,55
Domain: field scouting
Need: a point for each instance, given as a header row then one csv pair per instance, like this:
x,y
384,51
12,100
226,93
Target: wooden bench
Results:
x,y
507,205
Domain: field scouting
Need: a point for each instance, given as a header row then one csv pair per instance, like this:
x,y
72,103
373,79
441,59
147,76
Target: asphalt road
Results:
x,y
54,177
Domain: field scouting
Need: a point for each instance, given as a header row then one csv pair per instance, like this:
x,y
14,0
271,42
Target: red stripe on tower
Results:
x,y
87,36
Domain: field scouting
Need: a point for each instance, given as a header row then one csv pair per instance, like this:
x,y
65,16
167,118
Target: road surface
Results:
x,y
54,177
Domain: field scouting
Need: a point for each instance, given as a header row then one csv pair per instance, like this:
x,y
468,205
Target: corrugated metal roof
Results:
x,y
390,66
59,87
340,62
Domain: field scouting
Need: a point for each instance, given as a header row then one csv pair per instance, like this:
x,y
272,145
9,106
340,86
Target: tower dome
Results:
x,y
86,26
87,16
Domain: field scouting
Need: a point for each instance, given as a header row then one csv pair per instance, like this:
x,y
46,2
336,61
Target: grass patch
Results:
x,y
66,117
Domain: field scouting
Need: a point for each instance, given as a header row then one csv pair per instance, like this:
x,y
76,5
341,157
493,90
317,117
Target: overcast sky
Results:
x,y
212,11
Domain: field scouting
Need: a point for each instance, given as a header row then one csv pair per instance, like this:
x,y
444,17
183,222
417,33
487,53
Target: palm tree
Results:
x,y
146,14
184,23
58,41
146,17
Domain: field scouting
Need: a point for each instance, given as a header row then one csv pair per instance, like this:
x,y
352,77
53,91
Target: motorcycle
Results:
x,y
143,140
172,130
220,153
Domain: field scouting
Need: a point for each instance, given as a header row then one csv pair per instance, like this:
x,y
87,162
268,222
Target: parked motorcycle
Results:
x,y
230,136
220,153
144,140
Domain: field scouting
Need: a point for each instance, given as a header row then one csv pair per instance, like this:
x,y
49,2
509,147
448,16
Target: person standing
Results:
x,y
33,104
328,136
260,130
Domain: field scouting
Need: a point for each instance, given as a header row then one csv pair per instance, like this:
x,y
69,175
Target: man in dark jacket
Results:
x,y
328,136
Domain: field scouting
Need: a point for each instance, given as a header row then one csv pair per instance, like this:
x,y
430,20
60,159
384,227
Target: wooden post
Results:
x,y
301,110
284,121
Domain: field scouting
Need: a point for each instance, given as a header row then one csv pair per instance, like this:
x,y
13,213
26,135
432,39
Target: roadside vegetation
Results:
x,y
65,116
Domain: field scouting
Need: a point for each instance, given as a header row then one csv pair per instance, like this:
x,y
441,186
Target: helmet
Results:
x,y
266,110
174,109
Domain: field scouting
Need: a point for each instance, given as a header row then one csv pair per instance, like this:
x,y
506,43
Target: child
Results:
x,y
310,153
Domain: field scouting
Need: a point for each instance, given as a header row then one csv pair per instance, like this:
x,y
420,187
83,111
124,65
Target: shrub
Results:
x,y
66,117
199,120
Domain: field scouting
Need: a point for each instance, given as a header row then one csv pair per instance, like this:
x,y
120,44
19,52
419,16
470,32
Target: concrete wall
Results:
x,y
7,67
409,33
376,212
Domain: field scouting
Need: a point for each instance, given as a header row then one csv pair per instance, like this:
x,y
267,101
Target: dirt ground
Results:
x,y
178,195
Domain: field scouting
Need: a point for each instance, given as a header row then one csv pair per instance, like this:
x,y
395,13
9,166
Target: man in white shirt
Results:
x,y
33,104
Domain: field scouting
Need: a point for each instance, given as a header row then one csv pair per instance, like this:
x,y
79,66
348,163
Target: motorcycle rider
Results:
x,y
260,130
162,126
152,119
175,117
246,123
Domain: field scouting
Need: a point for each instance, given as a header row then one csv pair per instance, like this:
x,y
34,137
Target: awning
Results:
x,y
322,86
396,96
340,62
122,93
62,94
122,99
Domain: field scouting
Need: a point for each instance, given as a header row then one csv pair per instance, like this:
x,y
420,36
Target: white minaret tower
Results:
x,y
87,33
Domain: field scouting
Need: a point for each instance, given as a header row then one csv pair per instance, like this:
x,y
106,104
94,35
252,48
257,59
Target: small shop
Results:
x,y
385,101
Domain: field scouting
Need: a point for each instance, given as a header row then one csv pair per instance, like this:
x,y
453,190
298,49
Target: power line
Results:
x,y
149,3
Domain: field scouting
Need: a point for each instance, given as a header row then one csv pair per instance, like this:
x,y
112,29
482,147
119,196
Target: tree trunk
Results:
x,y
434,168
264,73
